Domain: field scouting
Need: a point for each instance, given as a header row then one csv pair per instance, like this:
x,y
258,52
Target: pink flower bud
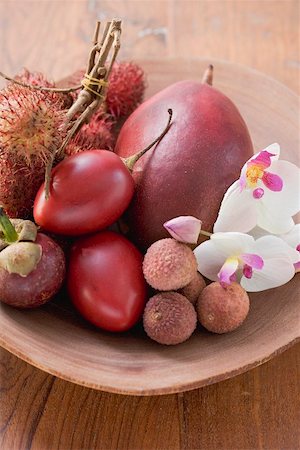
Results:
x,y
184,229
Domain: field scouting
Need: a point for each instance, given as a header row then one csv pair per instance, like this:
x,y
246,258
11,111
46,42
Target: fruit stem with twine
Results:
x,y
7,228
131,160
94,86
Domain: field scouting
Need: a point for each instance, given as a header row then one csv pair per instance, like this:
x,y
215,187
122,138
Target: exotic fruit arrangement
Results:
x,y
169,215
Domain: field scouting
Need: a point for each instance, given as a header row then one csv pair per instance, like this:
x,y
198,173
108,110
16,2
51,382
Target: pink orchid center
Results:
x,y
228,270
258,193
247,262
297,266
253,174
256,170
251,261
247,271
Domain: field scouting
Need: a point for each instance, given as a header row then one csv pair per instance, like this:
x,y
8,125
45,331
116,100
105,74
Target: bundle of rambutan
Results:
x,y
126,89
32,128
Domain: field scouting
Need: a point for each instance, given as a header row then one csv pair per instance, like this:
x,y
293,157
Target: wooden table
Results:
x,y
256,410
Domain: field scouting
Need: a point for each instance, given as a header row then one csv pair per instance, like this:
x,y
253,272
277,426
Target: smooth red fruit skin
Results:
x,y
41,284
188,172
105,281
89,191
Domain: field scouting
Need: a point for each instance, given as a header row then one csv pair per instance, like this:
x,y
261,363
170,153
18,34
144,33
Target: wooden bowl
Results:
x,y
55,339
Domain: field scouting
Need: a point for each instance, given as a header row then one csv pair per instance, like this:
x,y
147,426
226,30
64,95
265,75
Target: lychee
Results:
x,y
169,318
31,130
169,265
192,290
222,308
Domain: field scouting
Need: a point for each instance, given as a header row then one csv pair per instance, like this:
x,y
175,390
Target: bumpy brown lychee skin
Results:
x,y
222,309
169,318
194,288
169,265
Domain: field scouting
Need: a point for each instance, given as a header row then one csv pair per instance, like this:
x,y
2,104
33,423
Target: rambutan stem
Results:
x,y
41,88
8,230
131,160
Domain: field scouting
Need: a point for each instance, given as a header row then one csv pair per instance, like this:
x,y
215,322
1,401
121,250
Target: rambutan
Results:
x,y
126,89
97,134
38,79
31,131
33,78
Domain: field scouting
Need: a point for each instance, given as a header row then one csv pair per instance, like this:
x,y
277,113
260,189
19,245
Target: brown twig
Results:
x,y
41,88
91,96
98,71
208,75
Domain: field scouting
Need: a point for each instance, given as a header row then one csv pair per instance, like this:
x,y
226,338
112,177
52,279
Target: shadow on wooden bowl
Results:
x,y
55,339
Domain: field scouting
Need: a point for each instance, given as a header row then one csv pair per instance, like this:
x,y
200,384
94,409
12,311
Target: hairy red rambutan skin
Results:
x,y
96,135
31,130
126,89
33,78
39,79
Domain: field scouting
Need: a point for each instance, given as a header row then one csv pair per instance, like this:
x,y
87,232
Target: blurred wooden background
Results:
x,y
257,410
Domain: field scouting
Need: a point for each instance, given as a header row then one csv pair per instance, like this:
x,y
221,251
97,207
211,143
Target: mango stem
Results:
x,y
131,160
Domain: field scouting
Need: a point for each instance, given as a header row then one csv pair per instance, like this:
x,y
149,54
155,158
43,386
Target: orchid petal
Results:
x,y
252,260
273,221
274,246
278,266
297,266
292,238
262,159
274,149
238,211
227,270
287,201
258,232
272,181
231,243
209,259
184,229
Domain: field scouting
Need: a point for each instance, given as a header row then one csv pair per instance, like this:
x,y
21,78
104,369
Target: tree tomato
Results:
x,y
106,282
88,192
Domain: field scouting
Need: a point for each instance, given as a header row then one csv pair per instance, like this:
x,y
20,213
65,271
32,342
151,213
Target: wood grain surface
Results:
x,y
256,410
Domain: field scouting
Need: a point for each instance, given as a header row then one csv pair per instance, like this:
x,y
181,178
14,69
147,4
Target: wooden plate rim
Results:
x,y
8,345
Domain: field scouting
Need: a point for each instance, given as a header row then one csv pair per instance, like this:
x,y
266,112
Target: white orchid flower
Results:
x,y
257,265
292,238
266,195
